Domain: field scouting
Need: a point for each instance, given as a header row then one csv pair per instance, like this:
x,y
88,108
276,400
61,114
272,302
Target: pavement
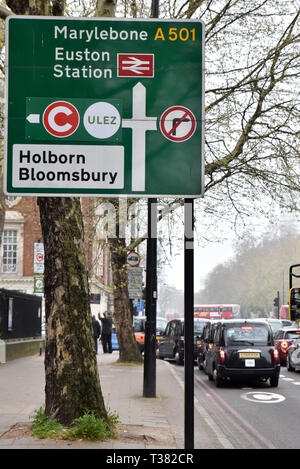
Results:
x,y
145,423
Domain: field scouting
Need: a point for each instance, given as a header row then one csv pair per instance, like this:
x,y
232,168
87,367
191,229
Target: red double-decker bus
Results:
x,y
218,311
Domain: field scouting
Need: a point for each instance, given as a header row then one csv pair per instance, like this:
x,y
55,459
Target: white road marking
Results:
x,y
219,434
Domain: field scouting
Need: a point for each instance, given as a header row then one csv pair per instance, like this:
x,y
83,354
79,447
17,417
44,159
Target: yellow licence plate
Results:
x,y
249,355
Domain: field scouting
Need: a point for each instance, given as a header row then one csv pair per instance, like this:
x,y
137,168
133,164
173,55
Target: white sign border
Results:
x,y
76,194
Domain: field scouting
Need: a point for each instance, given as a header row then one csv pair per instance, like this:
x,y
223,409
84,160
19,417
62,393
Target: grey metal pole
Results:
x,y
151,297
189,323
151,285
155,8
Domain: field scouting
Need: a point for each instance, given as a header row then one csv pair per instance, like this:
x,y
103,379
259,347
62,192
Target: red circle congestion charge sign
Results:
x,y
178,123
61,119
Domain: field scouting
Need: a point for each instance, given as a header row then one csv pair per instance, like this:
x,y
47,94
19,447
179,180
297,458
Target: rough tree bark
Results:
x,y
72,381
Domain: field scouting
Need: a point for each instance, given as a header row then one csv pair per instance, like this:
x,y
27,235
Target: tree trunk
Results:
x,y
72,380
128,348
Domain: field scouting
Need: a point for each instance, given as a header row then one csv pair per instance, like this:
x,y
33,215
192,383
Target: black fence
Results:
x,y
20,315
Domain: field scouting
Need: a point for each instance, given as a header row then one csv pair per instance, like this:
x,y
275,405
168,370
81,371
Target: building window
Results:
x,y
10,246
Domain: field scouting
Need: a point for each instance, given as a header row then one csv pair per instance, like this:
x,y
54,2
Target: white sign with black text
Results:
x,y
135,282
38,258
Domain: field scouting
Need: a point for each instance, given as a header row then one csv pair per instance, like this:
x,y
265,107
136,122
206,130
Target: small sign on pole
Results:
x,y
38,282
133,259
38,258
135,282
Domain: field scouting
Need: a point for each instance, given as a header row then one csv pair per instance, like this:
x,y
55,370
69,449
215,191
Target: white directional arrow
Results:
x,y
135,65
139,123
33,118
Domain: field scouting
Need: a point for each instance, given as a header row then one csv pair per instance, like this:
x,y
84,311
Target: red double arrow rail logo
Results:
x,y
136,65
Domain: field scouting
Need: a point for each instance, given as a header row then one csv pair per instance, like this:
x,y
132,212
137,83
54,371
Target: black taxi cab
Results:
x,y
242,349
171,344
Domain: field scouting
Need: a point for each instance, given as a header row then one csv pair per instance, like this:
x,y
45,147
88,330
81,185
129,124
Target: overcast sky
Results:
x,y
205,260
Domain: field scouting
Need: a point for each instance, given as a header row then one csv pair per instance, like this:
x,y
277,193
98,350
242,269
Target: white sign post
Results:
x,y
135,282
38,258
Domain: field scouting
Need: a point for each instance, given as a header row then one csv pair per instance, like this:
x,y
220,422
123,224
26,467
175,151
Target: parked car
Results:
x,y
171,345
283,340
243,349
206,341
139,324
293,356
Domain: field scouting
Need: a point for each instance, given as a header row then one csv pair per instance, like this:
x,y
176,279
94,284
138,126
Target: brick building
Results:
x,y
22,230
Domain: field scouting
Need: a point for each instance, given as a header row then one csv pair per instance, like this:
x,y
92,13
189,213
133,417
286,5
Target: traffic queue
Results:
x,y
230,348
234,350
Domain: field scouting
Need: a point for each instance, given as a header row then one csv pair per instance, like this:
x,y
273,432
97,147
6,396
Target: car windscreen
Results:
x,y
198,327
138,325
161,324
246,335
275,326
293,335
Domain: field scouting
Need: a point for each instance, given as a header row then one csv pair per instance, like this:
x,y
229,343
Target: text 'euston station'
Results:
x,y
89,57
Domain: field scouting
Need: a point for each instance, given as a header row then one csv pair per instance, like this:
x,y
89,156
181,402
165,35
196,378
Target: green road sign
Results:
x,y
104,106
38,283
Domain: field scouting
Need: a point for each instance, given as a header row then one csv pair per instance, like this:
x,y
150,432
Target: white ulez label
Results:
x,y
61,166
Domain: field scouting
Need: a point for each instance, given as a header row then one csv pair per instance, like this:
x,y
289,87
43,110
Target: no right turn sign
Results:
x,y
178,124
